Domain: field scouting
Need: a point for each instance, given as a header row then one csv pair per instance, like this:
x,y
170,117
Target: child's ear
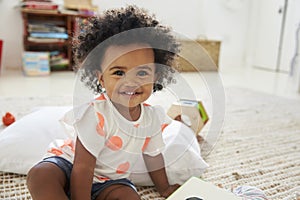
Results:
x,y
100,78
156,86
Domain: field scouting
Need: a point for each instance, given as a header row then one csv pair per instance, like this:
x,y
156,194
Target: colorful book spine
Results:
x,y
36,63
40,5
49,35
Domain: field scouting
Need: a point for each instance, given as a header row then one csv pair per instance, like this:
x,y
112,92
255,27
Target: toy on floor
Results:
x,y
8,119
190,112
197,188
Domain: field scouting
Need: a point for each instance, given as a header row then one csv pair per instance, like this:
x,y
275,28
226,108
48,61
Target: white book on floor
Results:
x,y
197,189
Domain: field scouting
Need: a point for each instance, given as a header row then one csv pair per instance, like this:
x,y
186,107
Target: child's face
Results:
x,y
128,74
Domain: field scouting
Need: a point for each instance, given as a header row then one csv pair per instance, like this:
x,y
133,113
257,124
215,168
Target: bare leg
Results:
x,y
118,192
46,181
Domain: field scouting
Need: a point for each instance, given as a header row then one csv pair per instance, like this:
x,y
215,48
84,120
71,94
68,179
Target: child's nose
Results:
x,y
130,80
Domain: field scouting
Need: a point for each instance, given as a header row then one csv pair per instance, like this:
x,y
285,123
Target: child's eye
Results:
x,y
119,73
142,73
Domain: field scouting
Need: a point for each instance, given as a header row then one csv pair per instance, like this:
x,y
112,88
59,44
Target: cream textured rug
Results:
x,y
259,145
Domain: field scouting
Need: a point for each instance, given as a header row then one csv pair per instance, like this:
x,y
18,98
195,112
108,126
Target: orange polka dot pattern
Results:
x,y
147,140
101,97
100,125
123,168
163,126
115,143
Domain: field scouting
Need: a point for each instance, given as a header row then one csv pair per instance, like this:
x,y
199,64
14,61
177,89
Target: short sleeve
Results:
x,y
155,143
87,130
163,117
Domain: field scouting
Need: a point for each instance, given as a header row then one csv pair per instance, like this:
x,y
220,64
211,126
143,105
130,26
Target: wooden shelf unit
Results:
x,y
52,17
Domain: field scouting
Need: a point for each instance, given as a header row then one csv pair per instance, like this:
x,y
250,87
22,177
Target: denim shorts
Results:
x,y
66,167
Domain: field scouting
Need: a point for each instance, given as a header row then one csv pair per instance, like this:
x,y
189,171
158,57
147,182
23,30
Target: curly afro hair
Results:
x,y
124,26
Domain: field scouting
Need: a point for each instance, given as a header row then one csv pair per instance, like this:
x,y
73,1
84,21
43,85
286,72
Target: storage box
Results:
x,y
36,63
204,52
190,112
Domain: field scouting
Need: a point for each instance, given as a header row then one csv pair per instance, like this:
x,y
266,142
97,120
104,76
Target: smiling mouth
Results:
x,y
130,93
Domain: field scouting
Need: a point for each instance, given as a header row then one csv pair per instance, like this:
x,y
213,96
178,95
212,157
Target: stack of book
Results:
x,y
39,5
41,32
58,60
36,63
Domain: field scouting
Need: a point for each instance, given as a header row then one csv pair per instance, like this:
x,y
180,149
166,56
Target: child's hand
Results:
x,y
169,190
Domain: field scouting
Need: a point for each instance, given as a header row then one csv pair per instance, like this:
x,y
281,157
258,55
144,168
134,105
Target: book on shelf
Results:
x,y
60,65
49,35
45,40
36,63
58,60
40,5
37,0
44,28
46,32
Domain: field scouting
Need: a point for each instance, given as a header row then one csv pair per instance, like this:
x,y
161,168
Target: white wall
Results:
x,y
229,21
11,31
185,16
226,20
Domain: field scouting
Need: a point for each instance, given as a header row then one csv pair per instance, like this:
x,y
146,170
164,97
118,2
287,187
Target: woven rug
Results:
x,y
259,145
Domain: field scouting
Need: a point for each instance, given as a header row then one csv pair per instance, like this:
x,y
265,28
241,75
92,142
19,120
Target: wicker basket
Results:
x,y
205,57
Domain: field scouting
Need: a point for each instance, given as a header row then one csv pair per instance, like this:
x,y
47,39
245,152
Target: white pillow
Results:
x,y
181,155
25,142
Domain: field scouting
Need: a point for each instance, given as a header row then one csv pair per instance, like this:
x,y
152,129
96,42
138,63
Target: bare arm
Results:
x,y
157,172
82,173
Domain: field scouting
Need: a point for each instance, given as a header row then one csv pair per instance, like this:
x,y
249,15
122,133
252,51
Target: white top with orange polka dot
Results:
x,y
112,139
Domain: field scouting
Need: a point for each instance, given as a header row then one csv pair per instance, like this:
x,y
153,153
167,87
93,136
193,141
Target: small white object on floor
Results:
x,y
201,190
